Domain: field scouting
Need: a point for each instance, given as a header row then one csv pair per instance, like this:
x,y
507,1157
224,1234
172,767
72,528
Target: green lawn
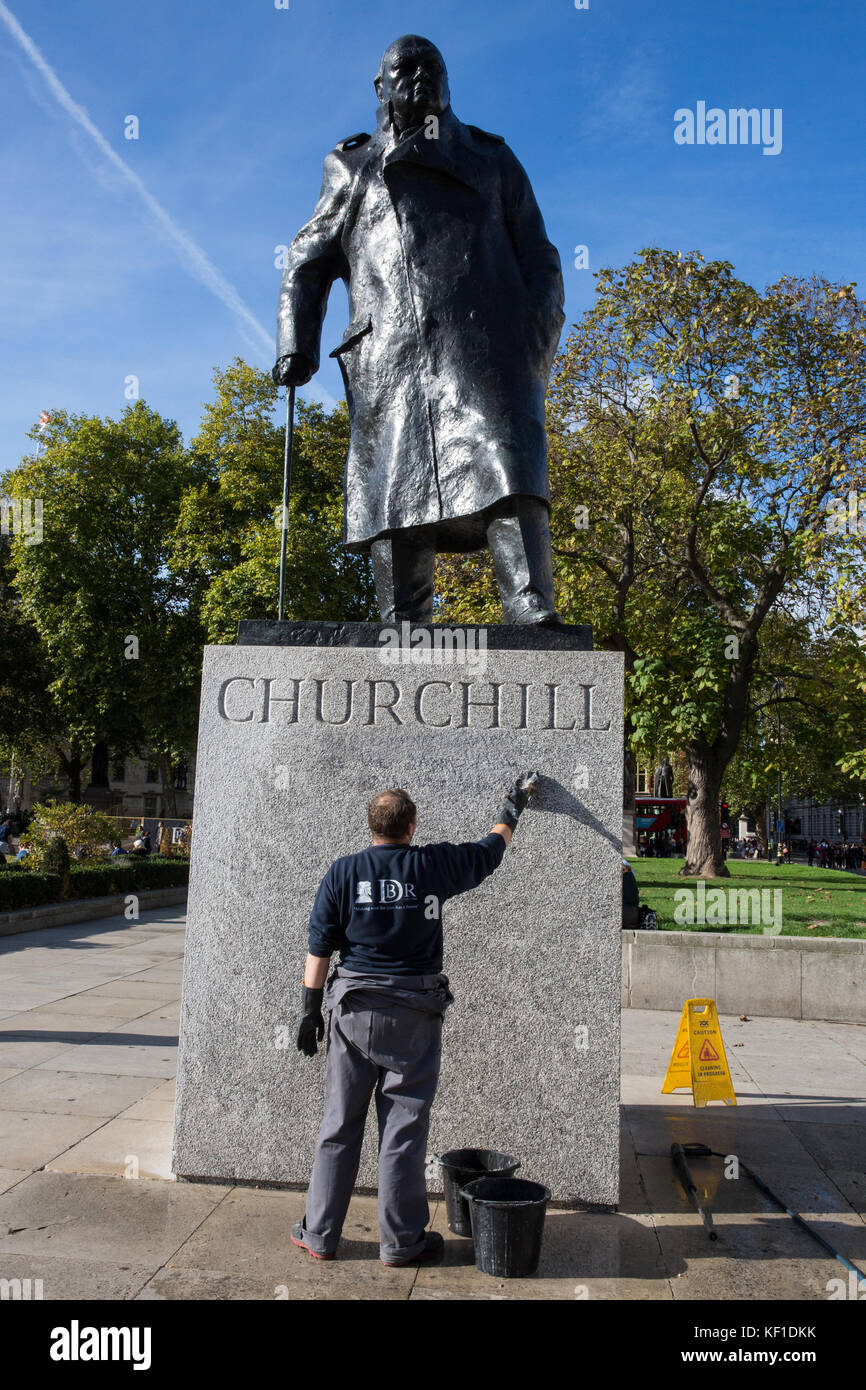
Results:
x,y
814,902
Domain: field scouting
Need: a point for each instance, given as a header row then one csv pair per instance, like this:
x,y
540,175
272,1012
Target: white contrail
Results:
x,y
201,266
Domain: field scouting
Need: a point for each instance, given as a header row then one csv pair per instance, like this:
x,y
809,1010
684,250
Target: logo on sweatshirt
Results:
x,y
390,891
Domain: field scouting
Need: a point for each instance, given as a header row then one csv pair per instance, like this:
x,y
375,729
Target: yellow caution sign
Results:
x,y
698,1060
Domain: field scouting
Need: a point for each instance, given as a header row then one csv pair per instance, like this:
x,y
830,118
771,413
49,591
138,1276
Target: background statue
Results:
x,y
663,781
455,306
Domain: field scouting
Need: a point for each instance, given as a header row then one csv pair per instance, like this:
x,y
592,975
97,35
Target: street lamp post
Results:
x,y
777,691
768,818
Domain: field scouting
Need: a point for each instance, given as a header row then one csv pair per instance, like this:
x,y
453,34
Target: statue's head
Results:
x,y
412,82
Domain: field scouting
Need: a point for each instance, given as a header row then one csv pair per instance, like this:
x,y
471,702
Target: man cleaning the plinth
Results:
x,y
382,910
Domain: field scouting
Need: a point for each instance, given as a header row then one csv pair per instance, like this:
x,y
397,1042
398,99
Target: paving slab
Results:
x,y
138,1148
30,1139
17,996
137,963
75,1279
851,1183
160,992
145,938
10,1176
786,1072
156,1027
165,1013
606,1254
754,1132
121,1058
72,1093
161,974
850,1037
70,977
839,1110
248,1235
89,1005
20,1054
111,1220
63,1028
833,1145
119,937
329,1283
156,1105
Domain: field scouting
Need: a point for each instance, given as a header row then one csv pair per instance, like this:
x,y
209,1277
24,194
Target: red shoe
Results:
x,y
296,1239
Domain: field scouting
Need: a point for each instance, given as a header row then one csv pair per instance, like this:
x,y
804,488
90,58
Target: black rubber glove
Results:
x,y
516,799
312,1024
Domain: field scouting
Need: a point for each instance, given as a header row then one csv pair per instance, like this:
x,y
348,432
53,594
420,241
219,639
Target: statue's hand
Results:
x,y
294,370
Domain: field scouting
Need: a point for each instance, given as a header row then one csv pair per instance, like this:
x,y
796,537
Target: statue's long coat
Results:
x,y
455,301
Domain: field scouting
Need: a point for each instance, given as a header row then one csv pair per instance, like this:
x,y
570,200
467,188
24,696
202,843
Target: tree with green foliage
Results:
x,y
711,426
226,548
78,829
119,645
807,705
31,731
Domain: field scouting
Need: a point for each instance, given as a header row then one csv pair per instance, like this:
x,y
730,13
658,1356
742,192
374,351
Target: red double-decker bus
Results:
x,y
660,825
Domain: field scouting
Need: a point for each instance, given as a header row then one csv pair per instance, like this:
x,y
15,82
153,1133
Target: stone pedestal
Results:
x,y
297,732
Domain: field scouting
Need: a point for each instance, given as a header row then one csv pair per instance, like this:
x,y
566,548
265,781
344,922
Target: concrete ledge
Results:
x,y
86,909
774,976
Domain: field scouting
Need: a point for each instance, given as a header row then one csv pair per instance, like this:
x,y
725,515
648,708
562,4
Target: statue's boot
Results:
x,y
403,567
518,535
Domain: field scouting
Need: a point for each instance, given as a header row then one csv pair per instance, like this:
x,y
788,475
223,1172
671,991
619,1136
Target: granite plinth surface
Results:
x,y
293,742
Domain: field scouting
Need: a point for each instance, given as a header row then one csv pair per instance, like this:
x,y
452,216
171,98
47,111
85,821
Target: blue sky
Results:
x,y
238,102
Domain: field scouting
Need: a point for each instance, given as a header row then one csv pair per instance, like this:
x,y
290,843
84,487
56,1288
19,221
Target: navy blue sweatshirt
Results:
x,y
382,908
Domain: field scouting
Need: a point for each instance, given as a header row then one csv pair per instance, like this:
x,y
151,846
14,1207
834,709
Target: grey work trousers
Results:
x,y
392,1050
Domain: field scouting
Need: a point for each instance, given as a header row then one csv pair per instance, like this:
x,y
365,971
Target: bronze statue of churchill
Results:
x,y
456,306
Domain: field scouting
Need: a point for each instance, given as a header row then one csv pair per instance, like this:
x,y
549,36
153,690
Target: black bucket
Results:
x,y
507,1224
459,1167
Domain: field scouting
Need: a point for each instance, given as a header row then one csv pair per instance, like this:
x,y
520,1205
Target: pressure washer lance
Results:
x,y
678,1158
702,1151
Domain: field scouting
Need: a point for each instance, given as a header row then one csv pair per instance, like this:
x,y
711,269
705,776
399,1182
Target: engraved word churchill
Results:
x,y
565,707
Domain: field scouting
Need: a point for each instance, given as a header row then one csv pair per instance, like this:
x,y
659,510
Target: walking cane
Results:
x,y
287,478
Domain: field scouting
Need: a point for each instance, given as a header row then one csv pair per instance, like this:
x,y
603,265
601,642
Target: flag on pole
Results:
x,y
44,419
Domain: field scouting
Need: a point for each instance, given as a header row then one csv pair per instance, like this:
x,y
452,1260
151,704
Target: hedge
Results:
x,y
28,890
32,889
